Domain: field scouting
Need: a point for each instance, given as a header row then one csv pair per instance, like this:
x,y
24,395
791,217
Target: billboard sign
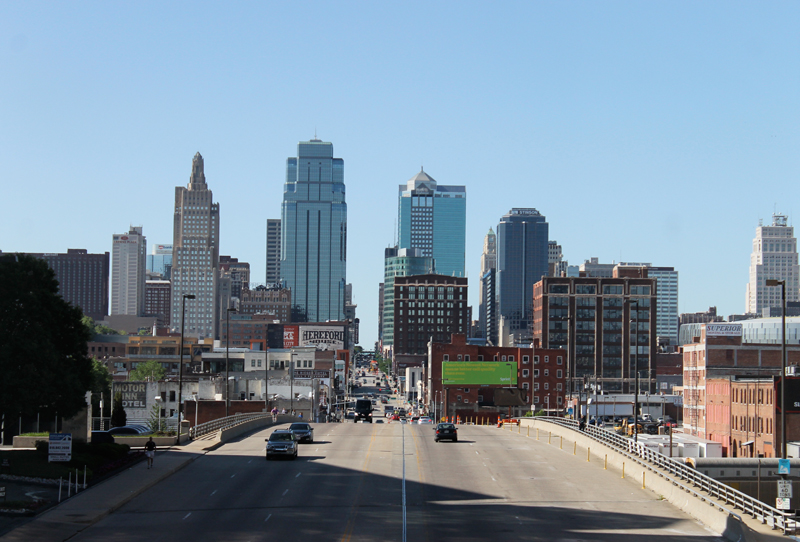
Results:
x,y
723,330
792,395
300,374
478,373
134,394
60,447
323,337
290,334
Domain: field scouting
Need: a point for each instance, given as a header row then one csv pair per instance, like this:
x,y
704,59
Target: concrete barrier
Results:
x,y
28,442
732,527
225,435
139,442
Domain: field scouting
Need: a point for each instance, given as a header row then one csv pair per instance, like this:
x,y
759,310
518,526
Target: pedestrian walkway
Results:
x,y
90,506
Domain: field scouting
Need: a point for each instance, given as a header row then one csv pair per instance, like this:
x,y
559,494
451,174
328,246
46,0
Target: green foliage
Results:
x,y
149,371
99,329
101,386
156,423
539,412
43,355
118,416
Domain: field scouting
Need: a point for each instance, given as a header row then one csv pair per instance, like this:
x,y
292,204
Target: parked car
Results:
x,y
303,432
102,437
446,431
129,430
281,442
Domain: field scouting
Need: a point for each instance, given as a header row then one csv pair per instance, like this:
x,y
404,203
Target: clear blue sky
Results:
x,y
643,131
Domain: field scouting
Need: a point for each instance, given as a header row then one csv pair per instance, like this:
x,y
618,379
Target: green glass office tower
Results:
x,y
314,231
433,218
403,262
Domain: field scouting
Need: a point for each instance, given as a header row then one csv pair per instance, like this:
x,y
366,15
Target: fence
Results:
x,y
764,513
224,423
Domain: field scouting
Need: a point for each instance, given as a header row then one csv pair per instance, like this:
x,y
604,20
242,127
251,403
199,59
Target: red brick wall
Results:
x,y
212,410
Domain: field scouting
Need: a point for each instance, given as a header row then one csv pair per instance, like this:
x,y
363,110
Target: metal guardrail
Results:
x,y
764,513
224,423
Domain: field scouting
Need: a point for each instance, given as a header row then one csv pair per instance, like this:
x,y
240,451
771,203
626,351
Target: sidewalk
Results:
x,y
90,506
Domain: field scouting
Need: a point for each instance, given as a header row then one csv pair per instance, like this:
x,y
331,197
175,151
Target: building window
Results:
x,y
535,386
503,358
480,398
536,373
547,385
547,372
525,359
536,360
547,359
524,385
446,357
510,358
458,399
525,373
252,363
560,399
558,386
466,390
480,357
466,399
559,360
459,357
558,373
466,357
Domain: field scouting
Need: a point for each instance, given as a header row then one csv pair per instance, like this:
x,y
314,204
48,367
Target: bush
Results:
x,y
118,416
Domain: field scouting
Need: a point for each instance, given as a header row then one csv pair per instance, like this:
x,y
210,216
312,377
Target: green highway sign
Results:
x,y
479,373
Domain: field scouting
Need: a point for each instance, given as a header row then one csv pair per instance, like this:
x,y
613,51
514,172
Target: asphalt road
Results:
x,y
391,481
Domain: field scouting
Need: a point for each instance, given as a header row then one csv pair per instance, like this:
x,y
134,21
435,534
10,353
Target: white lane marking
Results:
x,y
187,515
267,518
476,451
232,475
212,493
298,475
284,493
404,483
493,480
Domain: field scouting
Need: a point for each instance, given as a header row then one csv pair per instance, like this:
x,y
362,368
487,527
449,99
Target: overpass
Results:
x,y
541,480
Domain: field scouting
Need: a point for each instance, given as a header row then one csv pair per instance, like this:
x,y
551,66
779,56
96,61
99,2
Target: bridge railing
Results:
x,y
777,519
224,423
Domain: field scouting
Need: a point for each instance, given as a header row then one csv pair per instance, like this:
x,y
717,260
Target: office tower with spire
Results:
x,y
433,218
314,232
774,256
195,255
487,303
128,272
522,256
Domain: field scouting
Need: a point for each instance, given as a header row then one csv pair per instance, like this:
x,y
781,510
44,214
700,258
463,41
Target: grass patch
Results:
x,y
43,434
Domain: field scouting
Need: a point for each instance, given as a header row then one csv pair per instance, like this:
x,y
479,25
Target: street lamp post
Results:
x,y
227,361
782,284
180,362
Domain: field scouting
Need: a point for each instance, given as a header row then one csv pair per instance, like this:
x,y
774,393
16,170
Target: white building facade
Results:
x,y
128,272
774,256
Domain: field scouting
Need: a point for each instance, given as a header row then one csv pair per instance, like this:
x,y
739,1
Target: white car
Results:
x,y
424,420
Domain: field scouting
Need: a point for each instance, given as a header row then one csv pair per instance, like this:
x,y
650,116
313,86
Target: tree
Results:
x,y
101,386
118,416
149,371
44,366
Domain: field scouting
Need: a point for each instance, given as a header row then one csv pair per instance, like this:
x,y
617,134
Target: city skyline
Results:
x,y
662,134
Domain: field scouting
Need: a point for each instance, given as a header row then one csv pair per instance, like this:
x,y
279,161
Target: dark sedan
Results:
x,y
446,431
303,432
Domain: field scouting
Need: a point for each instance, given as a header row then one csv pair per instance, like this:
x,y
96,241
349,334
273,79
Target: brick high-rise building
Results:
x,y
157,299
428,307
597,320
82,279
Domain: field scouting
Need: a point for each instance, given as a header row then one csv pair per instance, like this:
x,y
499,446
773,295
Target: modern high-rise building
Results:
x,y
273,251
82,279
556,264
128,272
433,218
159,261
667,317
314,231
487,300
522,255
195,255
774,256
401,262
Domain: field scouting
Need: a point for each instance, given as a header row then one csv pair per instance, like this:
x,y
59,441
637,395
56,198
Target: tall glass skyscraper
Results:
x,y
314,231
522,255
433,218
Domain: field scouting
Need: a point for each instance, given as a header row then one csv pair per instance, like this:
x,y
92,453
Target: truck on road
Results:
x,y
363,410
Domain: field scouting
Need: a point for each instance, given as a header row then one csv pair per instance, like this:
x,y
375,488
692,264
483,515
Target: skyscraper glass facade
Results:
x,y
399,263
314,231
522,255
433,218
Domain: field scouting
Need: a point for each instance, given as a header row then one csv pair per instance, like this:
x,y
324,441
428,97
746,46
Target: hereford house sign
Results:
x,y
134,394
322,337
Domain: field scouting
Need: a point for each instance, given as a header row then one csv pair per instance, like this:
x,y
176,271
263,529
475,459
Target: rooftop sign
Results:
x,y
723,330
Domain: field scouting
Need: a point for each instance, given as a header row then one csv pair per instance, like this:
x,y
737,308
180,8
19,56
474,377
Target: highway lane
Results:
x,y
352,483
